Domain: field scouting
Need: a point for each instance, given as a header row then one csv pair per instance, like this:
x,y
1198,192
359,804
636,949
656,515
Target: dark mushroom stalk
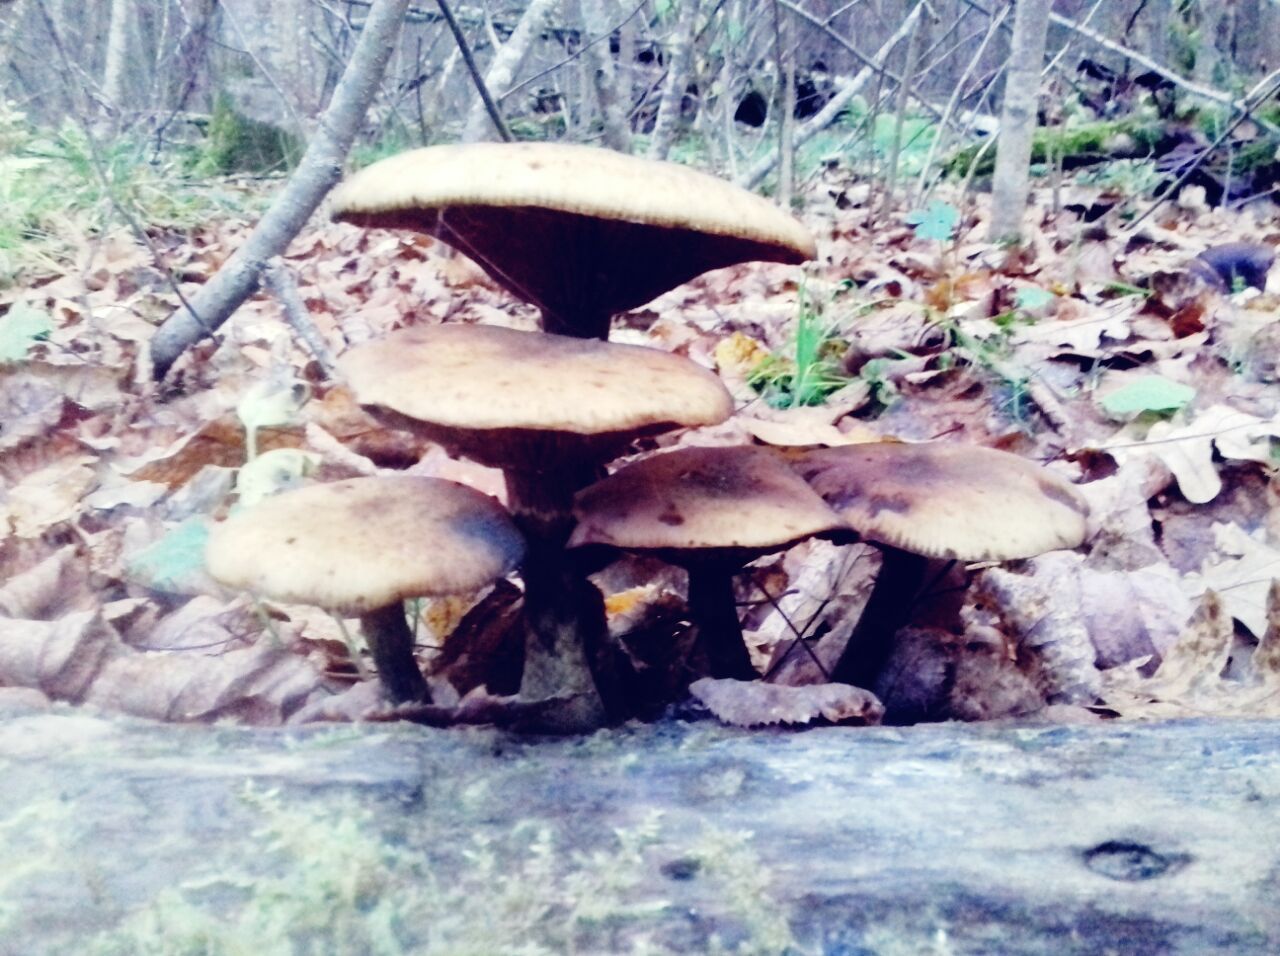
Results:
x,y
390,641
713,607
710,511
888,609
934,500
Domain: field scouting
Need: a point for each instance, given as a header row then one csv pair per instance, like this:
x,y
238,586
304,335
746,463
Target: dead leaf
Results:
x,y
60,658
1191,682
756,704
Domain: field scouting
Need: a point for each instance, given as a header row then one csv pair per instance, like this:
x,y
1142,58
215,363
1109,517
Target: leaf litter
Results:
x,y
1103,356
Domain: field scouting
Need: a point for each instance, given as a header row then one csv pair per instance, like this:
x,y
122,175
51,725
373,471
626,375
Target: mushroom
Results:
x,y
710,511
549,410
941,501
580,232
360,547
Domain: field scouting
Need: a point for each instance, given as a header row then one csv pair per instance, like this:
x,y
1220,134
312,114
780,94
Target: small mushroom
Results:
x,y
580,232
549,410
360,547
941,501
710,511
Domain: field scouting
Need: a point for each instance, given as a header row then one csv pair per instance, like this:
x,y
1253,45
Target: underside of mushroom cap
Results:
x,y
742,502
358,545
943,500
579,231
515,399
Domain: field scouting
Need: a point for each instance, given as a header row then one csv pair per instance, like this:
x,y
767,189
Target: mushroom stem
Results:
x,y
713,607
585,324
564,613
387,633
565,617
887,609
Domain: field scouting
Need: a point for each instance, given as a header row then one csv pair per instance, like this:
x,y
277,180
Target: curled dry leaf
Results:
x,y
48,496
260,684
756,704
49,587
60,658
1241,570
1190,682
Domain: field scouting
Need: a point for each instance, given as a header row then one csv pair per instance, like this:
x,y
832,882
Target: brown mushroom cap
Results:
x,y
576,230
945,500
506,398
358,545
741,500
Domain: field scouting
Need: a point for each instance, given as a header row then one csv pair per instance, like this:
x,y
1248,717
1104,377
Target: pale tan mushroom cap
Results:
x,y
358,545
744,498
568,178
583,233
477,379
945,500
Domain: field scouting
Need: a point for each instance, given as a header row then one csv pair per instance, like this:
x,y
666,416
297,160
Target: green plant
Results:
x,y
810,372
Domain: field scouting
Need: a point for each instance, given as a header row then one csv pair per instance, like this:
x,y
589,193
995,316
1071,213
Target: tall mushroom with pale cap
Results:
x,y
360,547
941,501
549,410
580,232
710,511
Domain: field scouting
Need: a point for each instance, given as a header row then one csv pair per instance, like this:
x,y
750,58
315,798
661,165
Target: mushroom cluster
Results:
x,y
583,233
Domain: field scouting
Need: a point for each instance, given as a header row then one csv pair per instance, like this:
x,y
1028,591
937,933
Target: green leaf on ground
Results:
x,y
936,221
1152,393
21,328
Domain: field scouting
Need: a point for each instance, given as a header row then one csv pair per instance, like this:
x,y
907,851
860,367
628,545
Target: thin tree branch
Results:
x,y
319,168
495,114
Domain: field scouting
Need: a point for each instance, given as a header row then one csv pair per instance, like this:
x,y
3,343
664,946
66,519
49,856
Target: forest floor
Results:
x,y
1098,350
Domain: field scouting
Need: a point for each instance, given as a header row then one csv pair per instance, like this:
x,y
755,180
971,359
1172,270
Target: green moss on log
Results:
x,y
238,144
1075,146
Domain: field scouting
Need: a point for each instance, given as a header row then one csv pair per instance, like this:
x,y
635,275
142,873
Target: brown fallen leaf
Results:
x,y
261,685
55,584
1191,682
756,704
60,658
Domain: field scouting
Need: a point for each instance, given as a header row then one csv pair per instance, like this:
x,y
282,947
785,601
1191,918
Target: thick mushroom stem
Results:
x,y
564,613
888,608
583,324
713,607
387,633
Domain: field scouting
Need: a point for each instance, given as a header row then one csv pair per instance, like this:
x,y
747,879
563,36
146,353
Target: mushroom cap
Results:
x,y
507,398
358,545
945,500
576,230
740,502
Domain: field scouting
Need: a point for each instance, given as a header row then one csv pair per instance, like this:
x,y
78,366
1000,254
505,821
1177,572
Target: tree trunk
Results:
x,y
115,71
320,168
595,22
678,76
504,65
835,106
1213,13
1018,119
785,54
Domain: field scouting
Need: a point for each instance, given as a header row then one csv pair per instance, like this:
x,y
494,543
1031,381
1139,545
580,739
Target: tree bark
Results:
x,y
505,63
319,169
1018,120
595,21
678,75
115,71
784,53
828,114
